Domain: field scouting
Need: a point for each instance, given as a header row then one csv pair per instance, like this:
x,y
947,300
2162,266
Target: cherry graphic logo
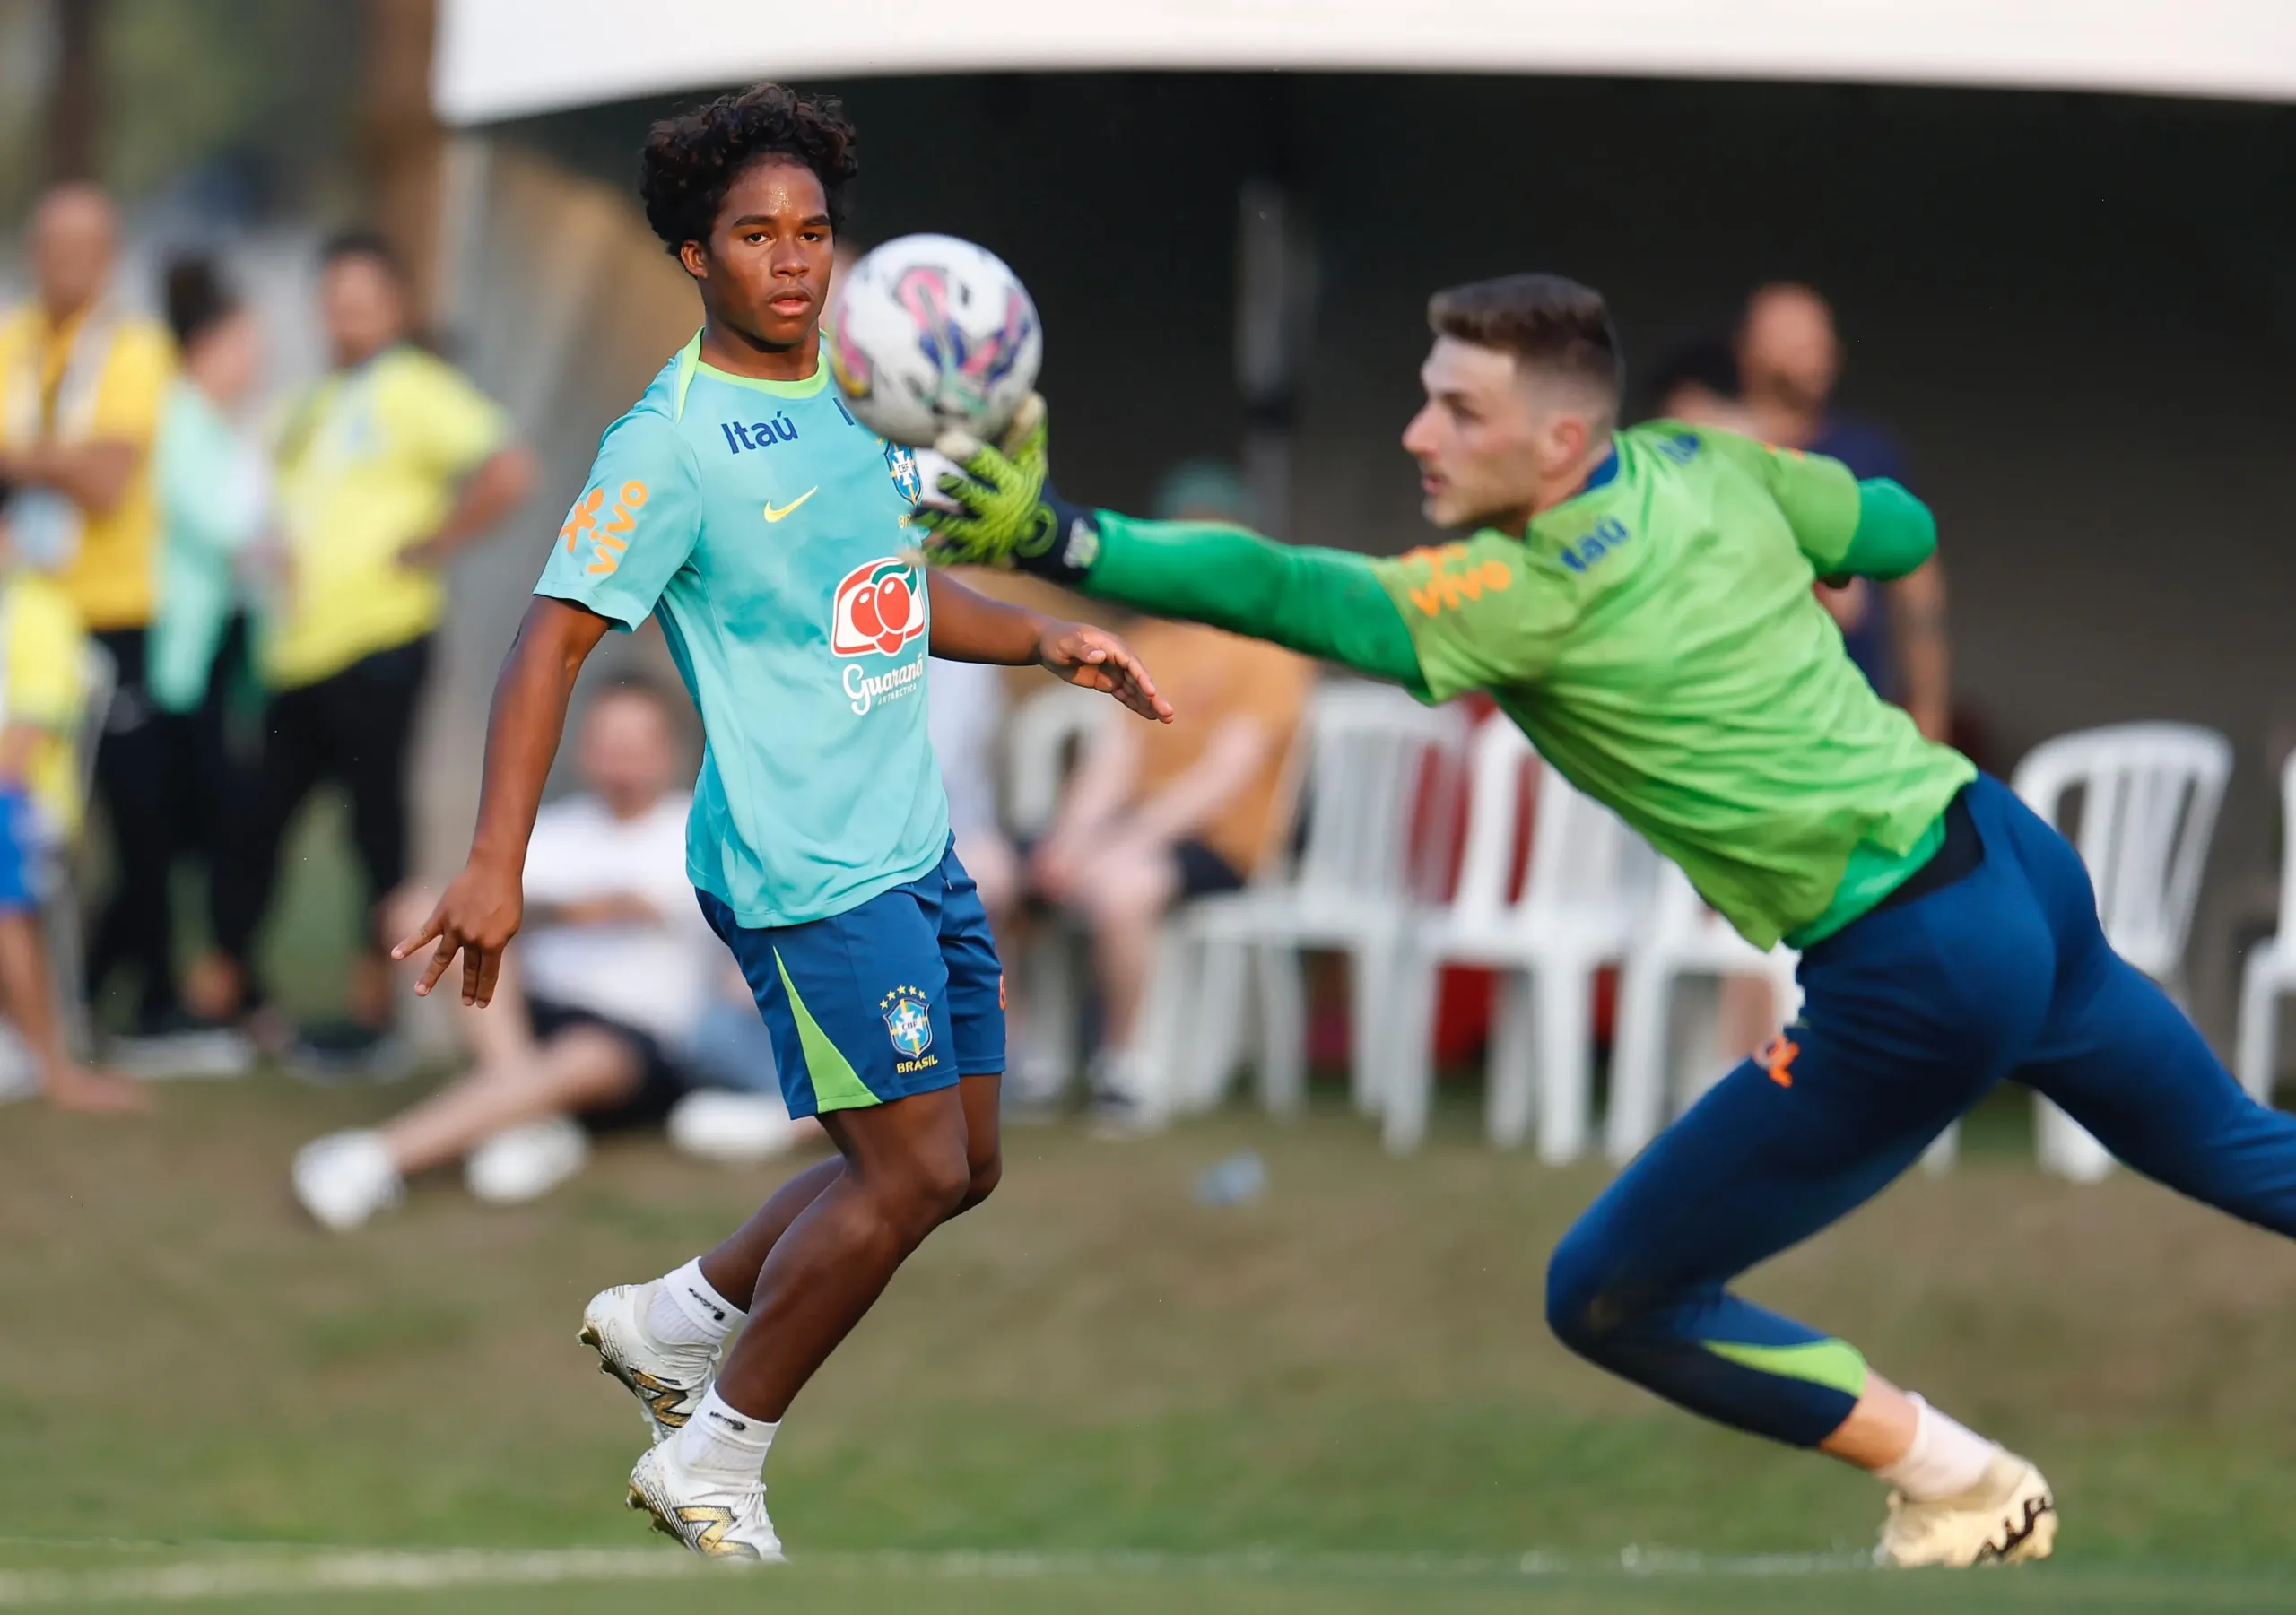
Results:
x,y
879,609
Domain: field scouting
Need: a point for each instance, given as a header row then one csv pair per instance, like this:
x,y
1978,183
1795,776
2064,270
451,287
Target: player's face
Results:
x,y
73,237
627,756
1788,348
363,305
1482,443
766,268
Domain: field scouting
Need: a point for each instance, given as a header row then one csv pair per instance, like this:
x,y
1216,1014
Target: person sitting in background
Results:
x,y
42,650
214,489
388,468
964,712
592,1012
1790,358
82,383
1157,814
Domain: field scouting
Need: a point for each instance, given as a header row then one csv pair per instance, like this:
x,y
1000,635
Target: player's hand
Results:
x,y
1092,658
476,917
1001,516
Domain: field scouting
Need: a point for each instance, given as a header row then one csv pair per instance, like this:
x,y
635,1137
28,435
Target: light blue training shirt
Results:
x,y
765,527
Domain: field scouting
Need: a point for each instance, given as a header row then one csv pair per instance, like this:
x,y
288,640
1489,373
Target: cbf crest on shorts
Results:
x,y
908,1023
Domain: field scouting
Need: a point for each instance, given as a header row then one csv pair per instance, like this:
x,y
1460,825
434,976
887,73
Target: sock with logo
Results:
x,y
686,1311
722,1443
1945,1460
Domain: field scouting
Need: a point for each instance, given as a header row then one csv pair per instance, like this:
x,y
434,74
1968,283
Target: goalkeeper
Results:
x,y
1639,602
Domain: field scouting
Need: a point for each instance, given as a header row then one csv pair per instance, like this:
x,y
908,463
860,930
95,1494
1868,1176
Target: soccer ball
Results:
x,y
928,333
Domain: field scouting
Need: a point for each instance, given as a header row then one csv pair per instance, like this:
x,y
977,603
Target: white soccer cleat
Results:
x,y
668,1381
705,1514
346,1177
2008,1517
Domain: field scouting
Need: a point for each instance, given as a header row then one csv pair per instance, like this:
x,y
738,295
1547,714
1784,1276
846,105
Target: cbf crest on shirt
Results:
x,y
769,533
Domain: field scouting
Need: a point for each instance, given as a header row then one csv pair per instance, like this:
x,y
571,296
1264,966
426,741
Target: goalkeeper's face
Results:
x,y
765,269
1494,440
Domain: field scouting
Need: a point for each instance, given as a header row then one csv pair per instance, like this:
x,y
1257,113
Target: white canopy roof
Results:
x,y
502,58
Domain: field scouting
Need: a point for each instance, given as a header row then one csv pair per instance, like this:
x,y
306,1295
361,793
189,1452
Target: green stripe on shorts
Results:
x,y
1834,1364
836,1086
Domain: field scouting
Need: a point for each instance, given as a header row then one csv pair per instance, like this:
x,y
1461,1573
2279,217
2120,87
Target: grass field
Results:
x,y
1093,1393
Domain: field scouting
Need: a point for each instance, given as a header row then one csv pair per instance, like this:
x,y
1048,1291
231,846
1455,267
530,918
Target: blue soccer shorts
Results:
x,y
22,850
901,996
1910,1015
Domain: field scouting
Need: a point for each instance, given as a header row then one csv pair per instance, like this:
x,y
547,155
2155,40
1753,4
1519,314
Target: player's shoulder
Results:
x,y
144,345
406,367
38,603
1667,442
654,427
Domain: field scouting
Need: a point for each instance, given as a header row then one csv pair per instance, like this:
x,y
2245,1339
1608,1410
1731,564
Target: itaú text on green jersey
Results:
x,y
1658,638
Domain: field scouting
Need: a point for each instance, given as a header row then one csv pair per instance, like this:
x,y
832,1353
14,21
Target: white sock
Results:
x,y
723,1443
1946,1457
685,1311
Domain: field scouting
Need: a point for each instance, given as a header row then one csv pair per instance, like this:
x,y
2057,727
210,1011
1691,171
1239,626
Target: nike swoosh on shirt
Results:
x,y
772,515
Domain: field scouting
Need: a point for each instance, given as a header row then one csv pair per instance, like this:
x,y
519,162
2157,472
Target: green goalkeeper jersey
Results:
x,y
1655,636
1658,638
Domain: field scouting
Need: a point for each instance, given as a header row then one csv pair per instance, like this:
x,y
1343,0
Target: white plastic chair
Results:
x,y
1045,732
2148,798
60,898
2270,974
1364,862
1682,938
1588,884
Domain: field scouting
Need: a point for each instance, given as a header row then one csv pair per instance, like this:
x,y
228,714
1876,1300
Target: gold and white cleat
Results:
x,y
713,1519
2008,1517
668,1381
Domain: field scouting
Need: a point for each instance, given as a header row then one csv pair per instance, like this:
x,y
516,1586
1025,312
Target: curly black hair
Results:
x,y
693,159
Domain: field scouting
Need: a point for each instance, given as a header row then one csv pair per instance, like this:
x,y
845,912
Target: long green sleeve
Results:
x,y
1327,603
1896,533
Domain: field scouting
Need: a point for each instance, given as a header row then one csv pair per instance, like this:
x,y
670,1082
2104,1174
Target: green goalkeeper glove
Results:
x,y
1006,514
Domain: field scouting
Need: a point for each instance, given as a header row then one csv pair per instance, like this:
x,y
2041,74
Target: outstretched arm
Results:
x,y
480,910
1327,603
970,627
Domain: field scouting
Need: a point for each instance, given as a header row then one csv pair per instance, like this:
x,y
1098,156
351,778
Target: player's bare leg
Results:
x,y
733,1267
906,1167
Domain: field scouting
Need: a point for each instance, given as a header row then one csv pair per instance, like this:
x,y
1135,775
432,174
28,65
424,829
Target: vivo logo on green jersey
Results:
x,y
1609,534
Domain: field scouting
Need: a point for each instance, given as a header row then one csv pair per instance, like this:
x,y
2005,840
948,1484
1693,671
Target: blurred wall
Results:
x,y
2079,312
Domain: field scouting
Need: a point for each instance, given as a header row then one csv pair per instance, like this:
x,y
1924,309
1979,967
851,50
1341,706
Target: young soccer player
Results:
x,y
1639,603
742,507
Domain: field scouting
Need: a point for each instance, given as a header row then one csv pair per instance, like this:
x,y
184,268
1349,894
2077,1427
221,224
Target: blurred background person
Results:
x,y
595,1007
42,651
82,386
1698,383
965,715
390,465
1789,360
1149,820
215,494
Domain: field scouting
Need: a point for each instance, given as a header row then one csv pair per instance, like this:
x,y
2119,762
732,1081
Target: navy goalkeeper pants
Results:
x,y
1910,1015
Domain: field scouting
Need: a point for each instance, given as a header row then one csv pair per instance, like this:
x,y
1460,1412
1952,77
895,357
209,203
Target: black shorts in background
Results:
x,y
1203,872
662,1081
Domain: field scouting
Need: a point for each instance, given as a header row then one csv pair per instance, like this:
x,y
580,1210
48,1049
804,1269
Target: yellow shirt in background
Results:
x,y
41,686
369,463
113,580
